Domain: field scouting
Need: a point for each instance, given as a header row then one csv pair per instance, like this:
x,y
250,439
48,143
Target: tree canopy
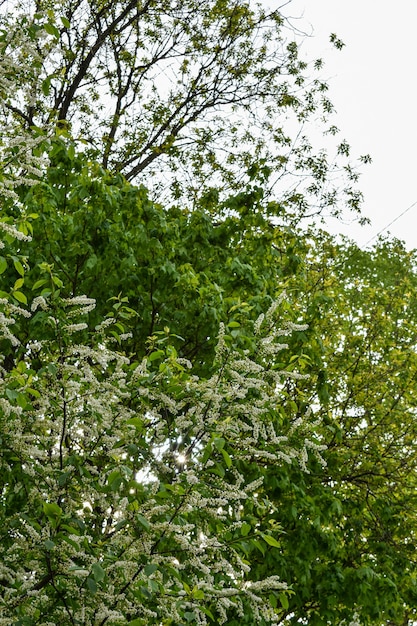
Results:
x,y
182,96
206,404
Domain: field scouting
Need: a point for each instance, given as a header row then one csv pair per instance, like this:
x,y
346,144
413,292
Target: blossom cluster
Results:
x,y
134,480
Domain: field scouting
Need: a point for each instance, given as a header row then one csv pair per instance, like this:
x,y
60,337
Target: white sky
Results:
x,y
373,87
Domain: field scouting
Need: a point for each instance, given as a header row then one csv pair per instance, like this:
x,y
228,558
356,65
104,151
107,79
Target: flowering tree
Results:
x,y
102,387
129,487
136,487
125,491
20,149
178,445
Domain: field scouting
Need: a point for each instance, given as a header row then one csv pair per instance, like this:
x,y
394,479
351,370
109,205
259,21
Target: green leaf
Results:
x,y
51,509
219,443
115,480
57,281
198,594
121,524
22,401
53,512
271,541
283,598
12,394
18,267
46,86
226,458
137,422
92,585
3,264
207,612
189,616
20,297
51,30
217,469
245,529
98,572
71,529
143,521
258,545
150,569
158,354
33,392
39,283
71,156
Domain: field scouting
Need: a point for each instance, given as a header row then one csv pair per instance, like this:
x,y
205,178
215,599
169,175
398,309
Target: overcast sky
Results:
x,y
373,87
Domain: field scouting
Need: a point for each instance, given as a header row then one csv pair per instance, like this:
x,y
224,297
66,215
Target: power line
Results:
x,y
391,223
362,248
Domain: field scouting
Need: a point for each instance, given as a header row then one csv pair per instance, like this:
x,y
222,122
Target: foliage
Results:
x,y
333,535
348,546
183,270
123,480
103,519
180,442
185,97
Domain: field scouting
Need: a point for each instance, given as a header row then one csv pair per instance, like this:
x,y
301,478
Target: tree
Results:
x,y
372,408
165,459
334,534
187,96
115,470
87,218
348,544
105,520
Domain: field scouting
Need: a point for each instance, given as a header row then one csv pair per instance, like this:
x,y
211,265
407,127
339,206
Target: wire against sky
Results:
x,y
390,224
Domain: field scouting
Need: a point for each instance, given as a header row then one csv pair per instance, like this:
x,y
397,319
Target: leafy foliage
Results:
x,y
104,518
332,534
206,410
348,545
193,96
